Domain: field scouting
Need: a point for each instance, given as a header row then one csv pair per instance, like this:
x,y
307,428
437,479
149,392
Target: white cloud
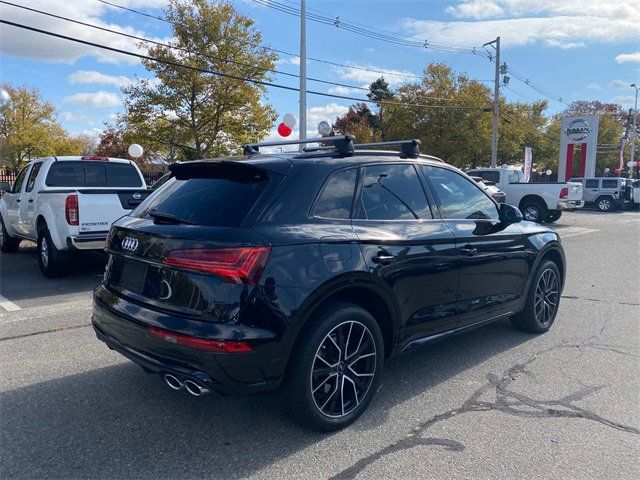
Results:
x,y
628,57
22,43
327,112
620,84
339,90
288,61
624,100
564,24
372,73
96,99
594,86
91,76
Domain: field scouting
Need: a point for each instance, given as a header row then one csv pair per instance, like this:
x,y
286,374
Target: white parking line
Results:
x,y
575,231
8,305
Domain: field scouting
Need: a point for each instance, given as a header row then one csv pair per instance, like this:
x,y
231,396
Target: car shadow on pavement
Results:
x,y
117,422
20,277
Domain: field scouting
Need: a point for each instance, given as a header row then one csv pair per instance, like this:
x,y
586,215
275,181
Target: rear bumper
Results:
x,y
123,327
569,204
87,241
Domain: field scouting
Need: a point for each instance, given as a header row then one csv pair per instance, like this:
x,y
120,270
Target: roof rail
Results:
x,y
410,148
343,144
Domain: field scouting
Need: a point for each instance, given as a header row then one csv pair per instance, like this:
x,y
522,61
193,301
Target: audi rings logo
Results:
x,y
129,244
137,196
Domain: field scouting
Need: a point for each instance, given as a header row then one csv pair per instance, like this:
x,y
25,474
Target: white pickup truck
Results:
x,y
539,202
67,204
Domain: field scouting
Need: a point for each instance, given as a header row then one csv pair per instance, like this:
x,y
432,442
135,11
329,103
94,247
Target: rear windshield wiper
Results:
x,y
162,217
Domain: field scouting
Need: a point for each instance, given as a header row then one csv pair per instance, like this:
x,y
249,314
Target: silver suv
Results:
x,y
605,193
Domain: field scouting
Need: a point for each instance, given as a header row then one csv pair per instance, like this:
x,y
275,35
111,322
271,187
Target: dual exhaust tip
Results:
x,y
190,386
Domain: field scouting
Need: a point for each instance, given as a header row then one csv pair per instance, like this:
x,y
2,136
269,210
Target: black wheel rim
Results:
x,y
532,213
343,369
546,299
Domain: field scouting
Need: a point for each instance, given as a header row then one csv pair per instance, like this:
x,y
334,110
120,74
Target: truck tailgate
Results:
x,y
99,208
575,191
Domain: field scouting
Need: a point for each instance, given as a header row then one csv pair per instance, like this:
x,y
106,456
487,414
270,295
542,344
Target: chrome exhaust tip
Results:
x,y
194,389
173,382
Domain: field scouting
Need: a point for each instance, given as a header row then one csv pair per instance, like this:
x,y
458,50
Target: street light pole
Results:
x,y
496,104
633,131
303,72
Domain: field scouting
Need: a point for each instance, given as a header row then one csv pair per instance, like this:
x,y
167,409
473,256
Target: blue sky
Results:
x,y
576,49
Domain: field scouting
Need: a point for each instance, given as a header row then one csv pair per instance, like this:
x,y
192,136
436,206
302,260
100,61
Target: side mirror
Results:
x,y
509,214
4,187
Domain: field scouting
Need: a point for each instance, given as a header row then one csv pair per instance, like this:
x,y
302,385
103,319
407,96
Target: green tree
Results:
x,y
202,114
459,131
28,129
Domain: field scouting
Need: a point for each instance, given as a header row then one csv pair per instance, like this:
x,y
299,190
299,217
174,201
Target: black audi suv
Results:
x,y
305,272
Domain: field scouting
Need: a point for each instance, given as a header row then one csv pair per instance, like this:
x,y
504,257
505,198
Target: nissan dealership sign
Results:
x,y
578,130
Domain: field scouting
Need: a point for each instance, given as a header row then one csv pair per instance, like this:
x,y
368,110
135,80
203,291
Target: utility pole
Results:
x,y
634,130
496,103
303,72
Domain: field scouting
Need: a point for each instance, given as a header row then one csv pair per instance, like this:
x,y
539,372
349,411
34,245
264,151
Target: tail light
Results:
x,y
226,346
233,265
71,210
564,193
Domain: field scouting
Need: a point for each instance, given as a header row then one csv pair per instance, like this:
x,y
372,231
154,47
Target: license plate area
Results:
x,y
133,276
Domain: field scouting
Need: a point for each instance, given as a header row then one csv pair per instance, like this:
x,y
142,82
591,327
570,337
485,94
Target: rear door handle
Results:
x,y
17,200
469,250
31,200
383,258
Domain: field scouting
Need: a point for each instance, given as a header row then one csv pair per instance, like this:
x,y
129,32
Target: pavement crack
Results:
x,y
53,330
506,401
587,299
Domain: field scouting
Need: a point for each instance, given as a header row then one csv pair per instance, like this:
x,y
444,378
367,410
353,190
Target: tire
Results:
x,y
8,244
553,216
324,388
605,204
534,211
538,317
50,259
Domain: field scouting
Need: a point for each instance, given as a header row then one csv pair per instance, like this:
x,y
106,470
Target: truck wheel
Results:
x,y
8,244
49,257
534,211
605,204
553,216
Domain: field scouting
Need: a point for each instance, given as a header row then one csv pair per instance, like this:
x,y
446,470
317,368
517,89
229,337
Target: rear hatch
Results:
x,y
103,190
189,248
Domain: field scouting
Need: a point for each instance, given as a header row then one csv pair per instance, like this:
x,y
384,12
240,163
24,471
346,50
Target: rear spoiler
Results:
x,y
233,170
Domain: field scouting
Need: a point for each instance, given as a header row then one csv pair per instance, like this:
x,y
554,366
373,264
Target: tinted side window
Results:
x,y
392,192
460,198
32,176
17,184
610,183
591,183
337,196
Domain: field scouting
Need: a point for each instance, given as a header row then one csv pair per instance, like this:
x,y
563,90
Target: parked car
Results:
x,y
67,204
539,202
491,188
304,272
606,193
635,193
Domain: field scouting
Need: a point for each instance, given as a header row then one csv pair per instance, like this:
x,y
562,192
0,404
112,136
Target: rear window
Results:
x,y
487,175
609,183
212,202
93,174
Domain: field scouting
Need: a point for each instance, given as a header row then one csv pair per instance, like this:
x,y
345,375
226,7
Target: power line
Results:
x,y
366,30
283,52
227,75
175,47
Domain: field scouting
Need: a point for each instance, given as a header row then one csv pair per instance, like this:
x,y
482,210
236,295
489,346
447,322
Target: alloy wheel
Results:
x,y
531,213
546,299
604,204
44,251
343,369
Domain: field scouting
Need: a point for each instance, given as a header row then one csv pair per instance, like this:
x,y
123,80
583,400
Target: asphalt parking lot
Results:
x,y
493,403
